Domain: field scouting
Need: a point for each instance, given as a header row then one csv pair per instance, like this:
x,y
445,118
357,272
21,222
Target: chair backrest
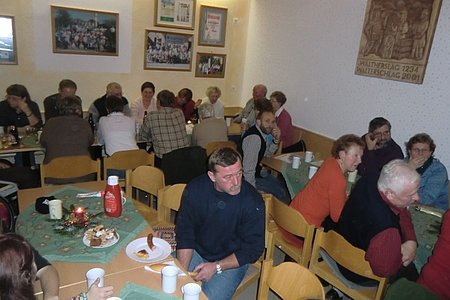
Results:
x,y
70,167
292,221
300,146
184,164
348,256
128,160
146,178
169,198
212,146
289,281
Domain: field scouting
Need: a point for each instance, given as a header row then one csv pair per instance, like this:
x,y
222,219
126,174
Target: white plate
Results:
x,y
162,250
109,243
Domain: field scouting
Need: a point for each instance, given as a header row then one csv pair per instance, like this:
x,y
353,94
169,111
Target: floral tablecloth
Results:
x,y
38,229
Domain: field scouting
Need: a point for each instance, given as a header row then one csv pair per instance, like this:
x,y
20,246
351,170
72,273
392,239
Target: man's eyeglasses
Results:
x,y
420,151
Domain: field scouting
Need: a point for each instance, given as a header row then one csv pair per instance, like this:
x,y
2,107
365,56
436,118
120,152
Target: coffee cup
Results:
x,y
309,156
295,162
228,120
169,279
191,291
92,276
55,209
312,171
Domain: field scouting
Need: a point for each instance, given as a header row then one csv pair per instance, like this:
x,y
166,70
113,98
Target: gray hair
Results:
x,y
395,175
213,89
206,110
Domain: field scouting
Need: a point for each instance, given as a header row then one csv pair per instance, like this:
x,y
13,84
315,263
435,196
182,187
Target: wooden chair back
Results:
x,y
254,270
145,178
289,281
213,146
70,167
348,256
169,198
128,160
292,221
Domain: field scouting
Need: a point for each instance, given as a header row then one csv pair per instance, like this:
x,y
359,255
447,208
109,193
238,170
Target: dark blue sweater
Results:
x,y
217,224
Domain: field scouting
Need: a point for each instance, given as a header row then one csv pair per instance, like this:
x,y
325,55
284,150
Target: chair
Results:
x,y
254,270
182,165
212,146
300,146
128,160
69,169
145,178
289,281
348,256
292,221
169,198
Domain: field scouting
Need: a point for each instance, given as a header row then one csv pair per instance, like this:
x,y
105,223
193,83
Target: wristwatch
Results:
x,y
218,268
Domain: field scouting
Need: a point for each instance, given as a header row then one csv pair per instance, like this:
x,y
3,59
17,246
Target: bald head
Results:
x,y
259,92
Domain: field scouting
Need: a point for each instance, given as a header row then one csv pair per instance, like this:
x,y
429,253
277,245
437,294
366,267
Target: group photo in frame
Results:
x,y
175,13
210,65
212,29
83,31
8,49
168,50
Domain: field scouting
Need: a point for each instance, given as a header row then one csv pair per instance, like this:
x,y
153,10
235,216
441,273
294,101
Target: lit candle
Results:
x,y
79,213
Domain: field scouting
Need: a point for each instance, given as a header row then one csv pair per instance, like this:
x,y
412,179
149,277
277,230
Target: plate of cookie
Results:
x,y
100,237
148,249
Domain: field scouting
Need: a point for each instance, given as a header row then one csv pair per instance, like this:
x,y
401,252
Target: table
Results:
x,y
72,274
231,111
21,148
296,179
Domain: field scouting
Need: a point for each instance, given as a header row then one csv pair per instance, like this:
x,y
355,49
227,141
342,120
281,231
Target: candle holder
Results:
x,y
75,219
79,213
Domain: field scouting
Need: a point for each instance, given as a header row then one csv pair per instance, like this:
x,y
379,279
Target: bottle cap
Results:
x,y
113,180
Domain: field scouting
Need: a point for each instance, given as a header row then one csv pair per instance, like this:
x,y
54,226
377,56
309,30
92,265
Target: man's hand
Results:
x,y
408,250
371,143
205,271
23,106
416,162
276,132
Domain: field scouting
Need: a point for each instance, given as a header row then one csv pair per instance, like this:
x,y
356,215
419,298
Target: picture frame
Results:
x,y
210,65
84,31
175,13
212,26
8,46
170,51
396,39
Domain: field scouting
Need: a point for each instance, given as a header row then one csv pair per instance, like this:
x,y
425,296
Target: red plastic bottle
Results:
x,y
112,200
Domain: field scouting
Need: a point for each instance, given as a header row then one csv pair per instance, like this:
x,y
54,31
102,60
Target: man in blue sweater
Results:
x,y
220,225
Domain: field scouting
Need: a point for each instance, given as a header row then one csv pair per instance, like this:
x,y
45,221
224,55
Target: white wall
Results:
x,y
308,49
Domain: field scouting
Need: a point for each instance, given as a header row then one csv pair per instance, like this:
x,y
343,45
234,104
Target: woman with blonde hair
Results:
x,y
213,94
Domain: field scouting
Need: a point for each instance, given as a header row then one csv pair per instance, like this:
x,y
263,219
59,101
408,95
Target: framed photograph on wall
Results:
x,y
168,50
83,31
210,65
175,13
212,29
8,49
